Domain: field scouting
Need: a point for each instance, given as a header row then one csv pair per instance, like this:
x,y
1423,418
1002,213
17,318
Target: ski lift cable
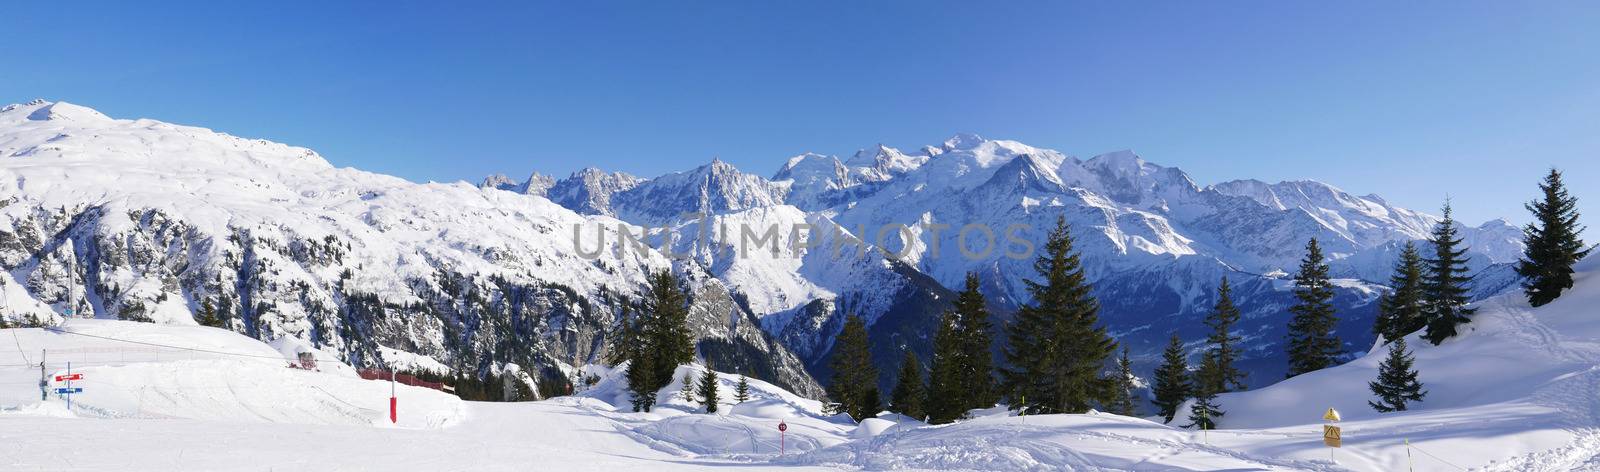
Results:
x,y
168,346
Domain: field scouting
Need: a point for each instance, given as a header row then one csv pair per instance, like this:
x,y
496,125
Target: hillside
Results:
x,y
1515,392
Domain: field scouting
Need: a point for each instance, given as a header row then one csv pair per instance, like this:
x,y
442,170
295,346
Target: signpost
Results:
x,y
1330,432
69,389
783,442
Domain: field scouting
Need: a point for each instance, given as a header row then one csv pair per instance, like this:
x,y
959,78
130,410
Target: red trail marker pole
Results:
x,y
783,439
394,403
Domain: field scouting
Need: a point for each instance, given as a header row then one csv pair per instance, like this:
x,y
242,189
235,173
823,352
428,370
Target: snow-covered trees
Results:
x,y
1401,310
1057,348
909,392
1397,382
1172,385
1446,281
854,386
1312,345
962,376
1552,242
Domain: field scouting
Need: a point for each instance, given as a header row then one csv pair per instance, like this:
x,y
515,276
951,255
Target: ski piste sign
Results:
x,y
65,390
1331,435
63,378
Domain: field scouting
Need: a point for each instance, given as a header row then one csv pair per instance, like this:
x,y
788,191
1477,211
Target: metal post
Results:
x,y
1409,465
44,393
394,403
69,386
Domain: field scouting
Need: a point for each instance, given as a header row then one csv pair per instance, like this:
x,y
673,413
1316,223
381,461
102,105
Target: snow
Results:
x,y
1515,391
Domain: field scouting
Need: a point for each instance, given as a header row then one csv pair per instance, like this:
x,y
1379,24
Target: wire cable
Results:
x,y
168,346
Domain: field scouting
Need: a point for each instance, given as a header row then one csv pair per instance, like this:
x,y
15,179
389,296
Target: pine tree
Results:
x,y
642,384
854,386
1312,345
1446,282
1057,350
1224,344
1122,401
1400,311
208,315
687,390
666,324
1397,382
1172,385
708,390
630,349
962,377
906,399
656,341
741,390
1204,412
1552,242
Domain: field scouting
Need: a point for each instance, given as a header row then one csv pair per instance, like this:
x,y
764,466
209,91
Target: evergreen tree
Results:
x,y
655,341
1224,344
1172,385
741,390
1446,282
962,377
1397,382
687,390
708,390
1401,310
1122,401
1312,345
1057,350
642,386
208,315
666,324
906,399
1204,412
1552,242
631,349
854,386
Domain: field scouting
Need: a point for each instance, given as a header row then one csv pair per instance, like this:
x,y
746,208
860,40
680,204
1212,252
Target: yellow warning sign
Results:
x,y
1331,415
1330,435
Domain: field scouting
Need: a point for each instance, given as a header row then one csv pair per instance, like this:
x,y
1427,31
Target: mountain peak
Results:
x,y
963,141
63,111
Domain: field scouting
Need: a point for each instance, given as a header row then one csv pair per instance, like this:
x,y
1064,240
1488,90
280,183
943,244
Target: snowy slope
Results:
x,y
141,370
1518,381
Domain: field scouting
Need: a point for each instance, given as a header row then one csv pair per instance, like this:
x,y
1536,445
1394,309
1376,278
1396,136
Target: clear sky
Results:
x,y
1411,100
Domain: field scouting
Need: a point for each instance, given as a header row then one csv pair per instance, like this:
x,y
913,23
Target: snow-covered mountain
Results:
x,y
1155,242
141,219
144,220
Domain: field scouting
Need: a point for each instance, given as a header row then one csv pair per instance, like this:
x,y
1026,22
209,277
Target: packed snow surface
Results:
x,y
1516,391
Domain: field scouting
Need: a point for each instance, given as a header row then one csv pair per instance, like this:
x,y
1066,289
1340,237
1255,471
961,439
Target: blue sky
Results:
x,y
1410,100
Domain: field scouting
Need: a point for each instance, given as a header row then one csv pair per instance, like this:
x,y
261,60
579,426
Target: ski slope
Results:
x,y
1517,391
